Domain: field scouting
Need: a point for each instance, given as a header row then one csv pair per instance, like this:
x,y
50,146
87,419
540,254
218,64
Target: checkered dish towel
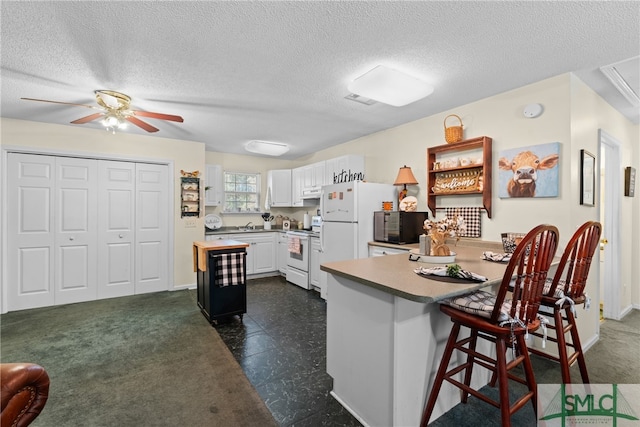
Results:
x,y
229,269
471,216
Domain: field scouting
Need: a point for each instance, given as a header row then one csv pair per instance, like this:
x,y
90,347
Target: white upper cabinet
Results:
x,y
313,179
297,178
279,187
344,169
213,181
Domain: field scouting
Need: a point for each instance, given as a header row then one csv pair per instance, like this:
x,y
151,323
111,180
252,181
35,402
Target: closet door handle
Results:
x,y
71,238
120,236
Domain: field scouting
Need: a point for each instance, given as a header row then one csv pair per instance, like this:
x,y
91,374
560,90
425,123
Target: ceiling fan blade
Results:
x,y
64,103
87,118
143,125
158,116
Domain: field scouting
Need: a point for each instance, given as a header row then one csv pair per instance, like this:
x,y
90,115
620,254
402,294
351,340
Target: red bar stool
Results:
x,y
505,322
563,292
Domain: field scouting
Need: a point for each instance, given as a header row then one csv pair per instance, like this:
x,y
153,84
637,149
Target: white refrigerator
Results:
x,y
347,221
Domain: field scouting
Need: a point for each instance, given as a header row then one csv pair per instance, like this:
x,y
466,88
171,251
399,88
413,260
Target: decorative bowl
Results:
x,y
435,259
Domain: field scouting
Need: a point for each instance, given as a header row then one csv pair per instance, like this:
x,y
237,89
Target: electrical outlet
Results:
x,y
190,223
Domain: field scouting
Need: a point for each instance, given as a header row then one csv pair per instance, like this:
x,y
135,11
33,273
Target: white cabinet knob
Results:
x,y
120,236
71,238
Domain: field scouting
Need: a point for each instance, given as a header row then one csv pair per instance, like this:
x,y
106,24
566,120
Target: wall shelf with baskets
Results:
x,y
189,196
449,175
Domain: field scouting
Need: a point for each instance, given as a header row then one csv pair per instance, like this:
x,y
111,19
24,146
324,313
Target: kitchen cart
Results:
x,y
222,278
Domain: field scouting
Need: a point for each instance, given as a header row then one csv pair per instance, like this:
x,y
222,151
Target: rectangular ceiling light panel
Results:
x,y
390,87
267,148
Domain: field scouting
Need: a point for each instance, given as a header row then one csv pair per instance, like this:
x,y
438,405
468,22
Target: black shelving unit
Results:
x,y
190,196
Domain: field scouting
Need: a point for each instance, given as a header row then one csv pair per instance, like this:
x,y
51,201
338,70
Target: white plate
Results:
x,y
408,204
435,259
212,222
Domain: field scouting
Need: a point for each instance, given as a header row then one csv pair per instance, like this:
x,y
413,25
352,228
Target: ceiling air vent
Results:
x,y
624,76
360,99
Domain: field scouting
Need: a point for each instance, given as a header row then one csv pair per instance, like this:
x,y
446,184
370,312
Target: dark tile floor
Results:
x,y
281,346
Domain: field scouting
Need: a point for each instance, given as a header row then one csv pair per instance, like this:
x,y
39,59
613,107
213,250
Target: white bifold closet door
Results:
x,y
152,225
82,229
116,229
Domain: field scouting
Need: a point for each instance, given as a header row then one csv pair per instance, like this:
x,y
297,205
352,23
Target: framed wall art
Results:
x,y
629,181
587,178
530,171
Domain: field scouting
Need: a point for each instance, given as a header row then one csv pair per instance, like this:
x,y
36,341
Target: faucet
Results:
x,y
250,223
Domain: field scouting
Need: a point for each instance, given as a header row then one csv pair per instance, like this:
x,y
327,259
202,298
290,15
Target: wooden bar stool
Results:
x,y
563,292
505,322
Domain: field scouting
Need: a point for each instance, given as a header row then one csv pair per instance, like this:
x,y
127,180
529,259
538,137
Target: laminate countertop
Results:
x,y
395,274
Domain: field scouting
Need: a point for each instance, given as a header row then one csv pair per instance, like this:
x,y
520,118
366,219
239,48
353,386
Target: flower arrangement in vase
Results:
x,y
438,231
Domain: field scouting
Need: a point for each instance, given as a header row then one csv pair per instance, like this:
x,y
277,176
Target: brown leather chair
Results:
x,y
24,388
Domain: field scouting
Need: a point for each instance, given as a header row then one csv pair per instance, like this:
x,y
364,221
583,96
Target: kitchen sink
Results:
x,y
248,230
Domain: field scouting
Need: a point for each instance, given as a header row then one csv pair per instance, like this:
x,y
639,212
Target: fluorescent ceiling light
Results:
x,y
390,86
266,147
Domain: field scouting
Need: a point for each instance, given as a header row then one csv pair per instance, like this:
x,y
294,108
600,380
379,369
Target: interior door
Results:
x,y
30,249
75,234
116,231
152,222
611,279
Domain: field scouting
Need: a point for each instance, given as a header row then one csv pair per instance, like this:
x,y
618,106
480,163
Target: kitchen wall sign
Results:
x,y
457,182
347,176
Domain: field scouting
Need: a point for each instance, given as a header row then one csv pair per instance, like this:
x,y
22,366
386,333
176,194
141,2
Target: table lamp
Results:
x,y
405,177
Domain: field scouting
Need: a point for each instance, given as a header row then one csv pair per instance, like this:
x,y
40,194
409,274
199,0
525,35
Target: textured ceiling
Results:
x,y
279,71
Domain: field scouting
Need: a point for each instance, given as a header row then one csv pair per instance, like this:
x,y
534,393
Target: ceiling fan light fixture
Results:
x,y
110,121
267,148
389,86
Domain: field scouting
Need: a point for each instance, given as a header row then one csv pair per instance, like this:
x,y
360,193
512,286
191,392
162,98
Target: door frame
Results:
x,y
611,225
6,149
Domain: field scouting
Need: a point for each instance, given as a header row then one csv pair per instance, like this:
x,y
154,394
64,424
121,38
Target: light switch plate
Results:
x,y
190,223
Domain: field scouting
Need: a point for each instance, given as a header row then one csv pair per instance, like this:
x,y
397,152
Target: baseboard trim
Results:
x,y
183,287
345,406
626,311
590,342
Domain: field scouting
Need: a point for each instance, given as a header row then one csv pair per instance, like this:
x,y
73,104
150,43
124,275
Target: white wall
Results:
x,y
239,163
572,115
589,114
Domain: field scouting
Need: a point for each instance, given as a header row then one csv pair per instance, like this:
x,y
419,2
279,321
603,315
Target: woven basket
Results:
x,y
452,133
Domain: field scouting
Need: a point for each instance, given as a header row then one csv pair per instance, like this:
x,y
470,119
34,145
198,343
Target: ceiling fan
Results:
x,y
115,111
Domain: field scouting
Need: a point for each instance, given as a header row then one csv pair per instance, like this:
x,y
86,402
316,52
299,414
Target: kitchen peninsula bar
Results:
x,y
386,334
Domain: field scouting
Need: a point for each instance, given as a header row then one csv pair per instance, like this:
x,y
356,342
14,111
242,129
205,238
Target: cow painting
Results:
x,y
524,172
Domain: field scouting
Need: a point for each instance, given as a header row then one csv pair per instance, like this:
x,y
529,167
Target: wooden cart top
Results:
x,y
200,249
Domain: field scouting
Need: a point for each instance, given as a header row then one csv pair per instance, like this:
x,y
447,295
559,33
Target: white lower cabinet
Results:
x,y
283,252
264,255
261,254
314,262
383,250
